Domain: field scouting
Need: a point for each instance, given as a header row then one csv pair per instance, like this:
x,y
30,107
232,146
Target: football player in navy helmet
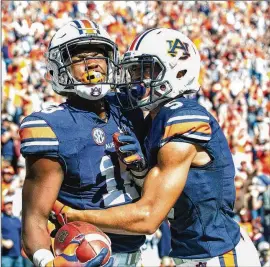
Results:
x,y
69,149
191,180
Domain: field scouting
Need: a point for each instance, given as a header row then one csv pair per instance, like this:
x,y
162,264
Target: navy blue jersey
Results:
x,y
202,224
93,176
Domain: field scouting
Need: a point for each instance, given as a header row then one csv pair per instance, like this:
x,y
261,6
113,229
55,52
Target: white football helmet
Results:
x,y
160,64
81,34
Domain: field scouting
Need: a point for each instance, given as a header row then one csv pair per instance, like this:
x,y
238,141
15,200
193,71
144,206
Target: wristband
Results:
x,y
41,257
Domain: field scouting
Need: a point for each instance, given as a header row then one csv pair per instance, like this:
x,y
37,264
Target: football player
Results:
x,y
191,180
69,150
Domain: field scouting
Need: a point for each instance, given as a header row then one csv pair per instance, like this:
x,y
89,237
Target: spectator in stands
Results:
x,y
8,135
266,213
11,236
7,56
7,180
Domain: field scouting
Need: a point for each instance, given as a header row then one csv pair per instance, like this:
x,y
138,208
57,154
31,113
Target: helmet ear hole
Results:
x,y
181,74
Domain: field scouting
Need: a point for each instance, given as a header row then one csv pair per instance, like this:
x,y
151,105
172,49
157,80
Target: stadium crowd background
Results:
x,y
234,42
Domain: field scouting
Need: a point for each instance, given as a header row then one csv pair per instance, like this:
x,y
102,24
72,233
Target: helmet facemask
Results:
x,y
93,84
141,81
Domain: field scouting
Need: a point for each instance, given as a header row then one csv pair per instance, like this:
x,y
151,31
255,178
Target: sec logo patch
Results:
x,y
98,136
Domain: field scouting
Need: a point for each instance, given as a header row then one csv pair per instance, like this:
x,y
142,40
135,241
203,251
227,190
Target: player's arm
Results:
x,y
163,185
44,177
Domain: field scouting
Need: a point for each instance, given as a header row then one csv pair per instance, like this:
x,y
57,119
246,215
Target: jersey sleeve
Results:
x,y
191,126
37,137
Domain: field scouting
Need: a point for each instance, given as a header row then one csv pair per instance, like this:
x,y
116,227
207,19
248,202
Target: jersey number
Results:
x,y
173,105
126,190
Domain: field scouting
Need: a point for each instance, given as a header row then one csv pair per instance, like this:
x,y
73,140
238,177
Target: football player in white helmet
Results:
x,y
191,180
75,44
69,149
159,68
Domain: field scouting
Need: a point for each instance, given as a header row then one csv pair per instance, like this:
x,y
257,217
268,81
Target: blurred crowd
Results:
x,y
234,42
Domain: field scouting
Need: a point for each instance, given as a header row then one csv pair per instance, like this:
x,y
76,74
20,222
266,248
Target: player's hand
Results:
x,y
96,262
59,213
129,151
69,257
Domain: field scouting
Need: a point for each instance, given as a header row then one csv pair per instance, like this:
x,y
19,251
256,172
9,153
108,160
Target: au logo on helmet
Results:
x,y
175,45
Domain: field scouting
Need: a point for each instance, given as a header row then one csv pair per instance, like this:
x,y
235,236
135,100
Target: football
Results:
x,y
95,240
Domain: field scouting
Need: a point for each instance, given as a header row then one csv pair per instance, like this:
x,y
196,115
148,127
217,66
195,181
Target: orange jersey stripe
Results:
x,y
40,132
184,127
